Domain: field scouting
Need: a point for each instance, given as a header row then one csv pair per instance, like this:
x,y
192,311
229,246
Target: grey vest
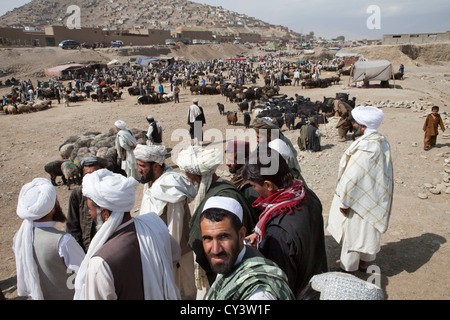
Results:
x,y
53,273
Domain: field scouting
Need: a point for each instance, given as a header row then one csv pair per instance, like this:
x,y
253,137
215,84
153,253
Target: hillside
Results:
x,y
130,14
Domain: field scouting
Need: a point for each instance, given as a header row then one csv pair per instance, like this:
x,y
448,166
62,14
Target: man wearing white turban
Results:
x,y
43,254
125,143
200,165
128,258
167,193
196,120
362,204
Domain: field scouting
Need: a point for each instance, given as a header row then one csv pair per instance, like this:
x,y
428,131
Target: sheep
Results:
x,y
290,119
71,172
54,170
168,96
42,105
232,118
66,150
23,108
221,108
10,109
247,119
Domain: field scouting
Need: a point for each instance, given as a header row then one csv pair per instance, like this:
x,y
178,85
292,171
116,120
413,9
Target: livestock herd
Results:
x,y
90,144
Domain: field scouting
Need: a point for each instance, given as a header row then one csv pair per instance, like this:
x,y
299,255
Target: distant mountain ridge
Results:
x,y
139,14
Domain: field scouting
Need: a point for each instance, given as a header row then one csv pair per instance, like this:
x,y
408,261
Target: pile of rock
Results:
x,y
414,105
439,186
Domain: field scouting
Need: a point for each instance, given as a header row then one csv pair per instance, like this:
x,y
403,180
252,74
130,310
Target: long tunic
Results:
x,y
365,185
431,125
125,143
168,197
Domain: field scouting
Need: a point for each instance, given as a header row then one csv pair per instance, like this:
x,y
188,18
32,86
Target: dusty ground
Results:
x,y
415,250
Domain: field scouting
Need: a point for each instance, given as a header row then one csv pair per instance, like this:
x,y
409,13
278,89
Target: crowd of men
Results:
x,y
259,236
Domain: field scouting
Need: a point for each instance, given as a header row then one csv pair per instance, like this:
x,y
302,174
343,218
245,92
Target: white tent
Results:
x,y
371,70
112,62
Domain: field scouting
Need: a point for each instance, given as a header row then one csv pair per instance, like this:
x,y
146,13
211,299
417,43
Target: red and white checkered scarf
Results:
x,y
278,203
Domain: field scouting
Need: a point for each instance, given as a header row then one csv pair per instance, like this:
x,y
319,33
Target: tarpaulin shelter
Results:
x,y
145,61
371,70
62,71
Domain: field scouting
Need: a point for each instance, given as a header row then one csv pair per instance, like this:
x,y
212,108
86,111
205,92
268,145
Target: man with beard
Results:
x,y
243,272
196,120
79,222
125,143
130,258
167,193
44,255
200,166
362,203
343,110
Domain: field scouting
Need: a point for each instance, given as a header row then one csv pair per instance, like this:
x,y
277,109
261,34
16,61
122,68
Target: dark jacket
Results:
x,y
296,242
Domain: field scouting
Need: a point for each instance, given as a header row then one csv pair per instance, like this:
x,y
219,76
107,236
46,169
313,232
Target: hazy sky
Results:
x,y
332,18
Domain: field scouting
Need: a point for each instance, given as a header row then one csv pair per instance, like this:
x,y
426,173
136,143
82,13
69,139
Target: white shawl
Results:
x,y
36,200
194,112
365,179
111,191
157,258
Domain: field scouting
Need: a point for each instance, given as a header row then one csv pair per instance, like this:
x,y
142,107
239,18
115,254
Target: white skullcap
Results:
x,y
120,124
281,147
36,200
225,203
369,116
154,153
344,286
194,100
150,118
109,190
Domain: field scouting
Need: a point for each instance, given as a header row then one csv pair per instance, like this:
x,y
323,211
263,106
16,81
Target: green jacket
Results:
x,y
253,273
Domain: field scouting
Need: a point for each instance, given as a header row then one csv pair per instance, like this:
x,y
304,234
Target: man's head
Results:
x,y
150,161
38,202
267,177
237,154
367,118
222,232
195,101
200,165
266,129
435,110
91,164
120,125
150,119
110,192
100,215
